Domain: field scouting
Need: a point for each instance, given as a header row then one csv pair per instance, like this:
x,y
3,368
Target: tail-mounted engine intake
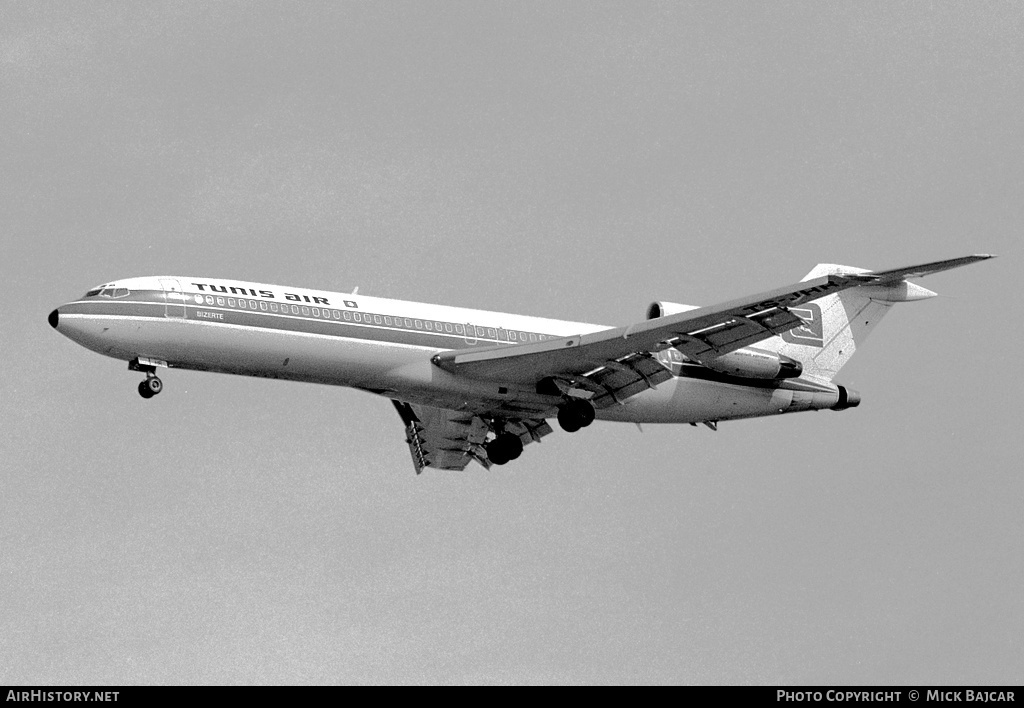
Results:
x,y
660,309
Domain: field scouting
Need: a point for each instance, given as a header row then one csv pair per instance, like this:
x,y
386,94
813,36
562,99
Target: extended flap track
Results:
x,y
611,383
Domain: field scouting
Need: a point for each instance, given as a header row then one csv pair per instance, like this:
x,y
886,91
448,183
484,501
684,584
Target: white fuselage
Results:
x,y
379,345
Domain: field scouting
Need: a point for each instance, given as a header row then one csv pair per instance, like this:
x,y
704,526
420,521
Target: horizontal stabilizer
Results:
x,y
918,271
838,323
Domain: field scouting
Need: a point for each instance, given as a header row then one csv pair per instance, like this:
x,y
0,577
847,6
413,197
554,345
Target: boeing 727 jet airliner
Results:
x,y
476,385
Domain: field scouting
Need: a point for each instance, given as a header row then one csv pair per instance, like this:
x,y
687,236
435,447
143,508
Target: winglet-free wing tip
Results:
x,y
919,271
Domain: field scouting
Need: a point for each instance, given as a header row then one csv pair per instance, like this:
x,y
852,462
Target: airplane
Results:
x,y
476,385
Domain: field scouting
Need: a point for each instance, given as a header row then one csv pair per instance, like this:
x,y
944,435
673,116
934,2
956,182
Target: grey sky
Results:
x,y
569,160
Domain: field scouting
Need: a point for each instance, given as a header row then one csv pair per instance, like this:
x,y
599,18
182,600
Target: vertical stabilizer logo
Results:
x,y
811,332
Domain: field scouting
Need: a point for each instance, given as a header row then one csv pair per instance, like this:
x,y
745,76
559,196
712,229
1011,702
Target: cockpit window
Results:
x,y
108,291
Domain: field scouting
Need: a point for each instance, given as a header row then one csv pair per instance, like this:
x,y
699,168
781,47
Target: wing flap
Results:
x,y
448,440
618,379
442,438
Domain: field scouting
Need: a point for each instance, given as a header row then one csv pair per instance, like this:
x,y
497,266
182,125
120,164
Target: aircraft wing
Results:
x,y
624,352
616,363
448,440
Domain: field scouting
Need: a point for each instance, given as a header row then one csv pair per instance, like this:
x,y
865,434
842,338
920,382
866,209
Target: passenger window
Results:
x,y
387,320
348,315
305,311
273,307
376,319
533,337
459,329
428,325
209,299
263,306
316,312
437,326
419,324
295,309
491,333
220,301
337,314
408,322
231,302
447,326
252,304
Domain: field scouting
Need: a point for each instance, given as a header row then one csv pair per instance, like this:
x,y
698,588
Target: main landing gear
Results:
x,y
575,414
504,448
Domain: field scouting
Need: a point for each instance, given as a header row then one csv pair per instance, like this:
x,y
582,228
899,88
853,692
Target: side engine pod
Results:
x,y
660,309
749,362
753,363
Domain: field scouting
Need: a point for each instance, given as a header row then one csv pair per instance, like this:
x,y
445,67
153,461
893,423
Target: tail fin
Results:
x,y
835,325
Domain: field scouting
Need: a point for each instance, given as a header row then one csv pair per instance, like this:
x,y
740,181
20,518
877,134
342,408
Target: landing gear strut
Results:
x,y
504,448
575,414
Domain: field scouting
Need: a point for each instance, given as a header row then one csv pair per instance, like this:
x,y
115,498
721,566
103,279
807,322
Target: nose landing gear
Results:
x,y
151,385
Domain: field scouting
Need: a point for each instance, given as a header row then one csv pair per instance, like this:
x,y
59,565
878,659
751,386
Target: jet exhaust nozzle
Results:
x,y
53,319
847,399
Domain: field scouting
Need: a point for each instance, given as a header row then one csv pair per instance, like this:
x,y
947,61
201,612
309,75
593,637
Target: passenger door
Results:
x,y
174,298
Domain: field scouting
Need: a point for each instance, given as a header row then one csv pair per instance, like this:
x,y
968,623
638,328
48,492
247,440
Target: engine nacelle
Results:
x,y
748,363
660,309
847,397
752,363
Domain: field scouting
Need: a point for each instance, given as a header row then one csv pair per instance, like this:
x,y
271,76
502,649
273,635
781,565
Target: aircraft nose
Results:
x,y
53,319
